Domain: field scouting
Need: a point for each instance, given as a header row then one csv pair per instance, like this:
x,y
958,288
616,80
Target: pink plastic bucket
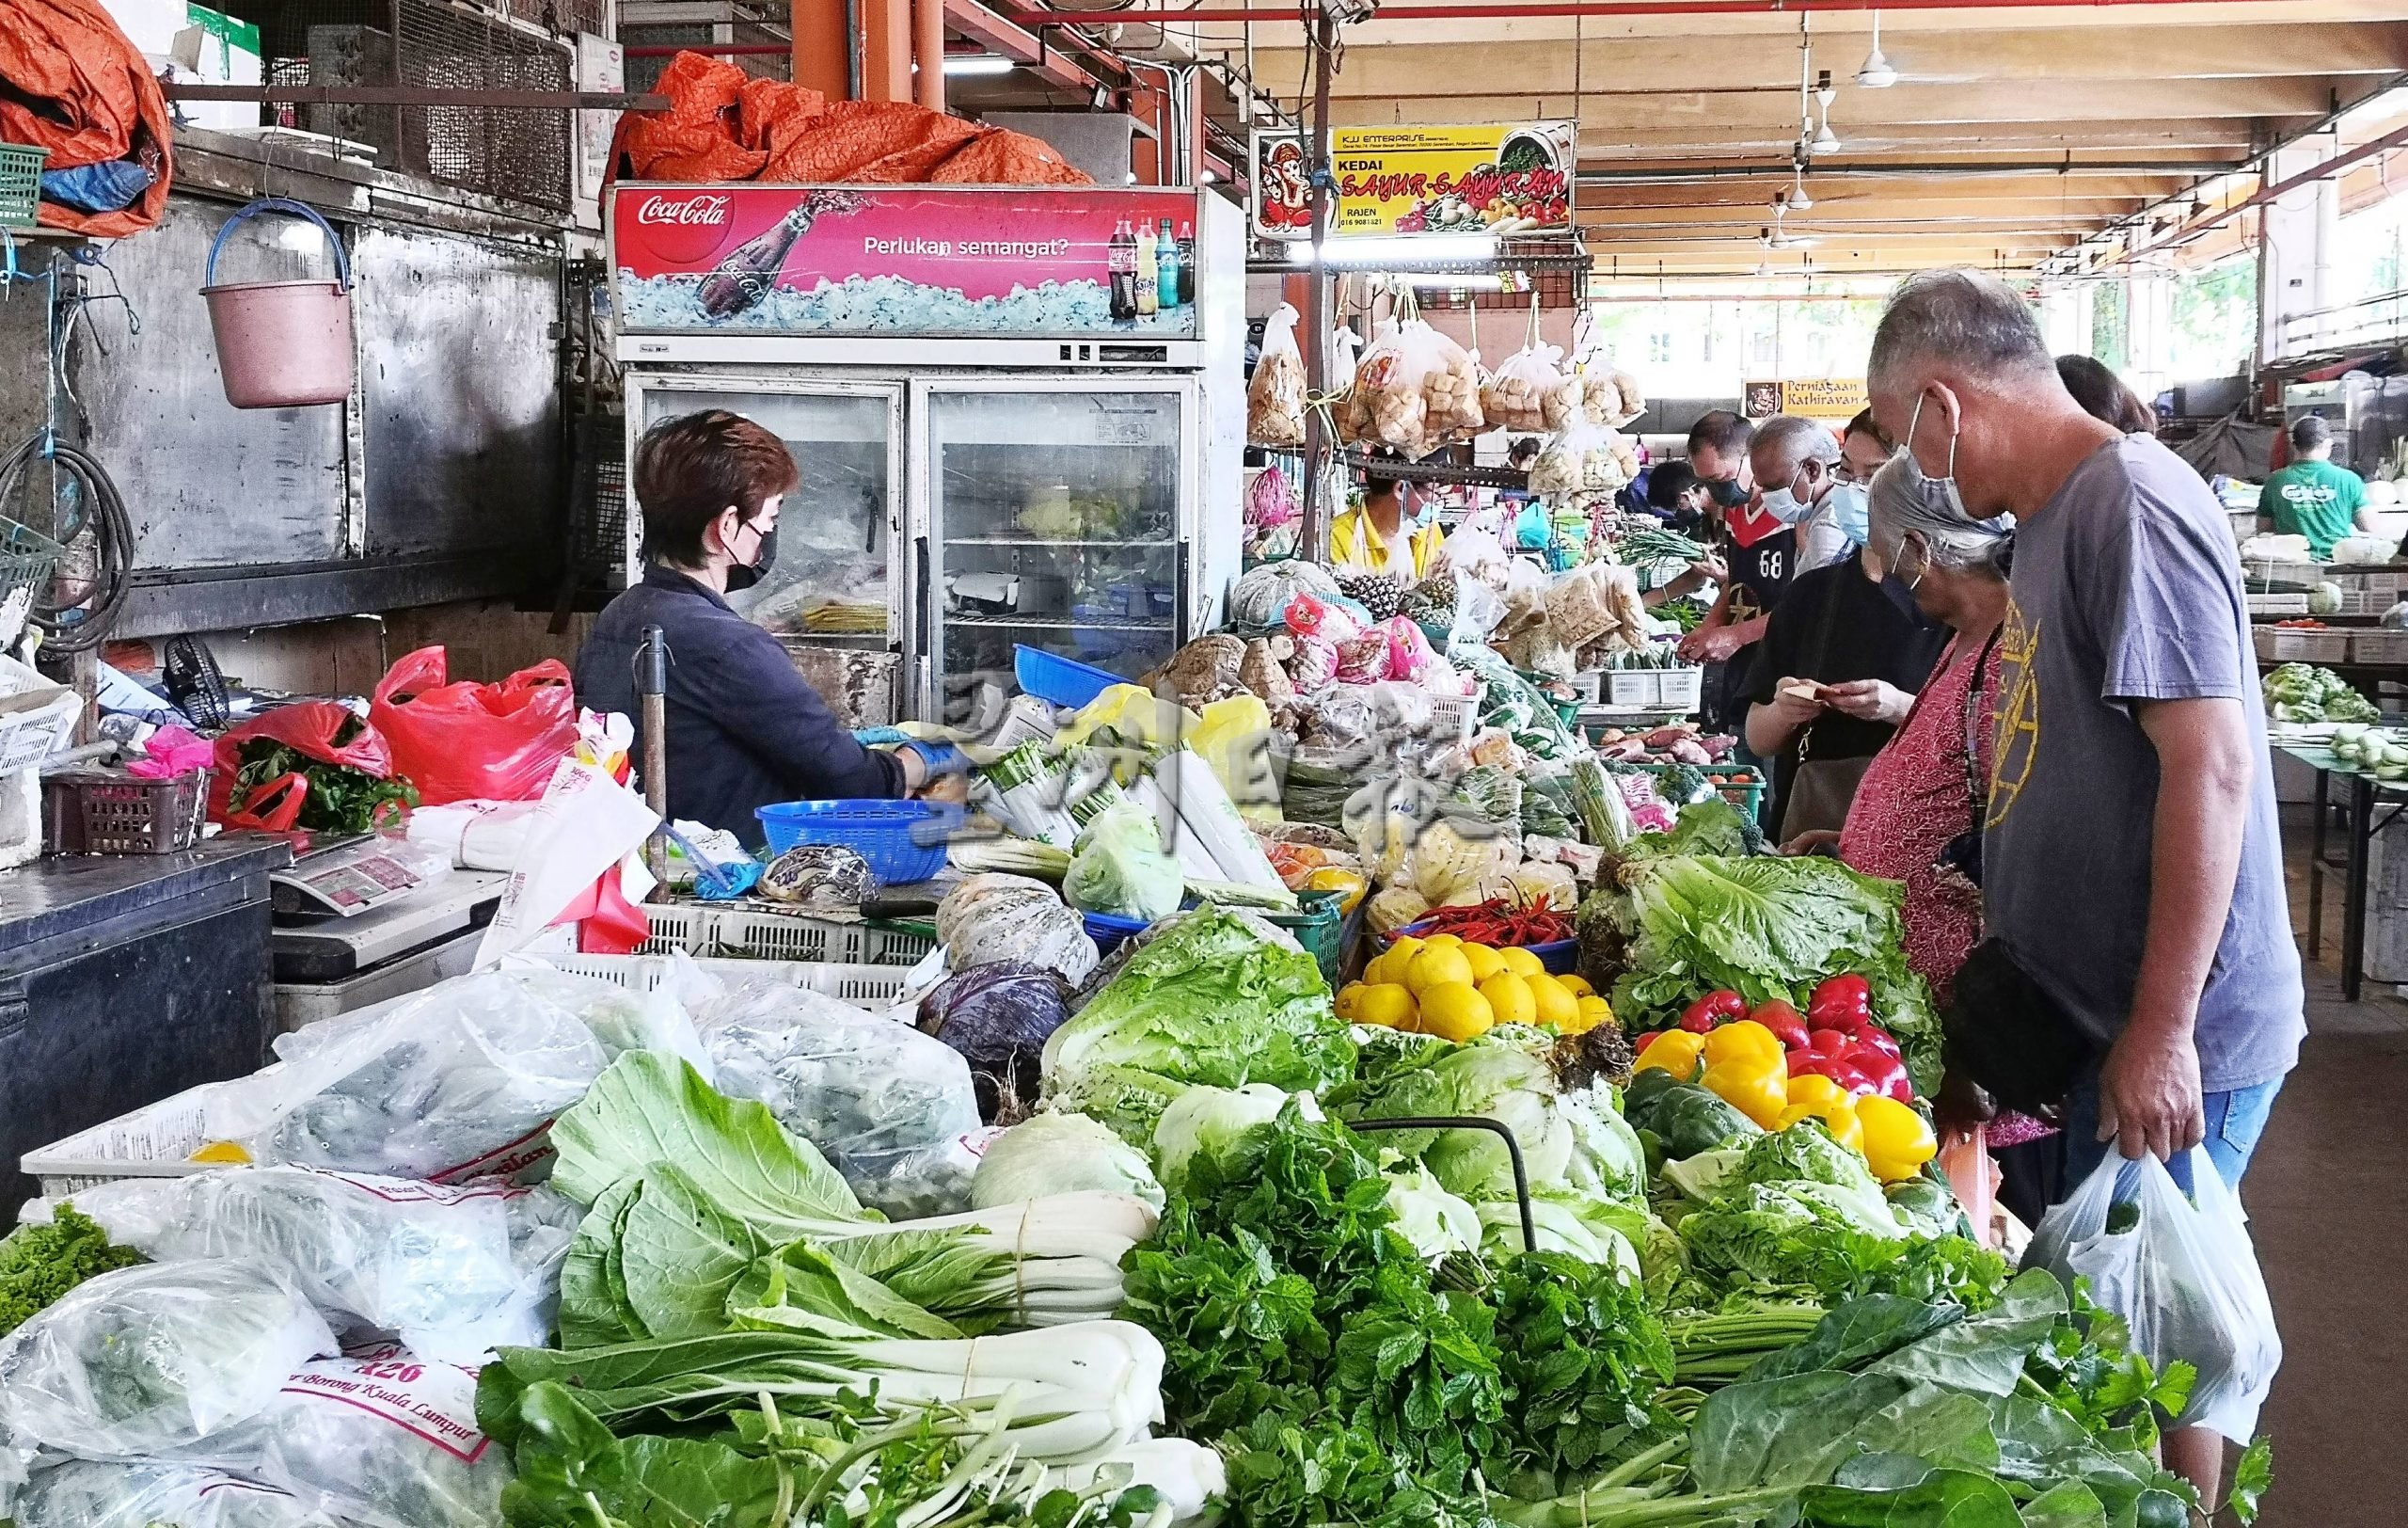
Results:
x,y
283,344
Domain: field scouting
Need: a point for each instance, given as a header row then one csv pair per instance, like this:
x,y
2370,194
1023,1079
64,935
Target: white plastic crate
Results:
x,y
1683,688
36,715
1655,689
1453,717
2379,647
2280,646
2277,605
701,929
156,1140
873,987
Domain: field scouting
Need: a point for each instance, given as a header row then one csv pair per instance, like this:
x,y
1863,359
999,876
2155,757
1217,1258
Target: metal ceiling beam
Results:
x,y
403,95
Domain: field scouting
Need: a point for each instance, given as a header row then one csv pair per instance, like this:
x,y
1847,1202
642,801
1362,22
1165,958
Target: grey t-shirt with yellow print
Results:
x,y
2127,589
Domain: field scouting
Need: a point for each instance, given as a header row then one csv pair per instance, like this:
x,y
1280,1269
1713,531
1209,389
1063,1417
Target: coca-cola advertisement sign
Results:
x,y
904,260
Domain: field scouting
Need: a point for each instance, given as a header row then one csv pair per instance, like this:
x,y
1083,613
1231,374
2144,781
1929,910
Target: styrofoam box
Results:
x,y
156,1140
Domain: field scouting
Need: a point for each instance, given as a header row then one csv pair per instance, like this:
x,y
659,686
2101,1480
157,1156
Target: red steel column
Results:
x,y
927,49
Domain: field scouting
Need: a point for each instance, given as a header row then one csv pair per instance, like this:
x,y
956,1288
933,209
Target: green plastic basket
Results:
x,y
1745,788
1318,925
20,183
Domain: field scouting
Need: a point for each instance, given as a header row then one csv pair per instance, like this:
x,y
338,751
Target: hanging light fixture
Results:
x,y
1876,74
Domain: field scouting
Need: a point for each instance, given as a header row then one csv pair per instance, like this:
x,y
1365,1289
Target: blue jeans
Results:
x,y
2235,1121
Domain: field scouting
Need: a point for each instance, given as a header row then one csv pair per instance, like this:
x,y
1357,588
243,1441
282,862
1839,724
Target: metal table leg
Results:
x,y
2353,904
2316,866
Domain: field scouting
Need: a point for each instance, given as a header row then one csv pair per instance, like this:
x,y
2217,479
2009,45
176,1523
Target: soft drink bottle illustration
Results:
x,y
747,275
1149,291
1167,270
1122,263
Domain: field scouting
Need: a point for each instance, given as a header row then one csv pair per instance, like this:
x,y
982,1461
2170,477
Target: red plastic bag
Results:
x,y
309,726
470,742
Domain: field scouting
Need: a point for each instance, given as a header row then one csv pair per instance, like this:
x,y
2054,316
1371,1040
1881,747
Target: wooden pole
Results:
x,y
1315,533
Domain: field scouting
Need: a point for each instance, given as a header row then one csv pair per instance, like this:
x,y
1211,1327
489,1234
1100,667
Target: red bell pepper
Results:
x,y
1839,1069
1842,1002
1885,1072
1785,1022
1878,1038
1823,1040
1714,1007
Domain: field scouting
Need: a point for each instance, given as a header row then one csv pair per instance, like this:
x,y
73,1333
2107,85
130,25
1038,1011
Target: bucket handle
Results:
x,y
280,204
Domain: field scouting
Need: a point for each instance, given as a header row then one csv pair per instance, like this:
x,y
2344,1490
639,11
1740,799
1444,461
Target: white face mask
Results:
x,y
1941,492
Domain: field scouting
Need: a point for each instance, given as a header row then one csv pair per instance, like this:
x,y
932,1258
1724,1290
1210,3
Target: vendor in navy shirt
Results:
x,y
744,729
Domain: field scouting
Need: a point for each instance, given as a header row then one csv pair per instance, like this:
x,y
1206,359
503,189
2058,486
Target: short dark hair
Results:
x,y
1866,424
2104,395
1723,430
2310,433
1377,480
690,469
1667,482
1526,446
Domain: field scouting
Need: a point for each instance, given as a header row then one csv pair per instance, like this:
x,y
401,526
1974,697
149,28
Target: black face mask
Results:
x,y
1901,595
1726,492
745,575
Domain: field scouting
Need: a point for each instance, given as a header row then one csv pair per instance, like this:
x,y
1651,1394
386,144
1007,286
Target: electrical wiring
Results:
x,y
96,538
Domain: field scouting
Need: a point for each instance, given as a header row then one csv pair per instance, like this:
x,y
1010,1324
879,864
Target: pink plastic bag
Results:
x,y
1409,651
1308,616
171,752
1966,1160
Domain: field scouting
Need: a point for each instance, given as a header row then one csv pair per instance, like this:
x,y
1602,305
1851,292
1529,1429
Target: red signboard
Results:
x,y
904,260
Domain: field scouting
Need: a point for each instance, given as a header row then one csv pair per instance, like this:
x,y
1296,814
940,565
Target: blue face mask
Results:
x,y
1939,492
1851,511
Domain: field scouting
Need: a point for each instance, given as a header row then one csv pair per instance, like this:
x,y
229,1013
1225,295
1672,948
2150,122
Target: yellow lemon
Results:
x,y
1521,961
1387,1005
1557,1008
1484,961
1350,1002
1510,998
1444,939
1594,1011
1576,985
1402,952
1455,1010
1434,967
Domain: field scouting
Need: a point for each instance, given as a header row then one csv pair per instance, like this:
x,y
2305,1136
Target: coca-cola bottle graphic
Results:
x,y
746,276
1186,265
1121,262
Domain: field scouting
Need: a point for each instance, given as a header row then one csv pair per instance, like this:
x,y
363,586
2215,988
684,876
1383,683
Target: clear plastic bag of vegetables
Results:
x,y
1274,396
1414,390
88,1493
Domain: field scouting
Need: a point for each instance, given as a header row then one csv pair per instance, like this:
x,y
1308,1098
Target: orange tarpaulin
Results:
x,y
724,125
71,83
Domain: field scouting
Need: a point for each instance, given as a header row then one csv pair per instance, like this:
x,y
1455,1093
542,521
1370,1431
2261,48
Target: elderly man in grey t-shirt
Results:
x,y
2131,862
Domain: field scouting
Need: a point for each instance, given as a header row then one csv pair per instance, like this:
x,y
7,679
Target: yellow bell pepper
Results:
x,y
1744,1039
1837,1114
1805,1088
1897,1140
1754,1085
1333,878
1675,1051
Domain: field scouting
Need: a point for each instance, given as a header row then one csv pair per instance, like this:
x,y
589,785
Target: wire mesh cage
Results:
x,y
521,152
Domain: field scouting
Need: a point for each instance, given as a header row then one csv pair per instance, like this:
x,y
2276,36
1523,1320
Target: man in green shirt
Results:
x,y
2312,497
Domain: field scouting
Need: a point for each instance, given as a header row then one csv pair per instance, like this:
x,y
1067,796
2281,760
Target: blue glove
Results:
x,y
878,737
940,757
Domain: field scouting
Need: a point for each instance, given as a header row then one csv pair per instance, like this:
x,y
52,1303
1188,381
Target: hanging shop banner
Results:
x,y
1836,399
903,261
1403,181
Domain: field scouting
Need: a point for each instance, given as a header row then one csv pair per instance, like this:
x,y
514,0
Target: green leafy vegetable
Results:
x,y
39,1263
339,799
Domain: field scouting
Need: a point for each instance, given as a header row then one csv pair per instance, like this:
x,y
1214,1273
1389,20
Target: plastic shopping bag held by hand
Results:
x,y
470,742
2183,1276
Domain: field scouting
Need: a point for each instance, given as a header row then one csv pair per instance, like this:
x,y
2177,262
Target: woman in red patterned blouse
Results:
x,y
1929,787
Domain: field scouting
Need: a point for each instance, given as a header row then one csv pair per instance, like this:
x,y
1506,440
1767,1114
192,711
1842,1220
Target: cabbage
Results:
x,y
1607,1157
1212,1121
1214,1001
1121,866
1060,1154
1502,1075
1557,1220
998,1017
1434,1222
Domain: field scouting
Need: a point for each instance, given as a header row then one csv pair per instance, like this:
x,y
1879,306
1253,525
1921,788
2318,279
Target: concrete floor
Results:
x,y
2327,1195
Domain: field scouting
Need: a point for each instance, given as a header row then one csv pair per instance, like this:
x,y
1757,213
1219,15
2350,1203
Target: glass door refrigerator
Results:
x,y
1049,514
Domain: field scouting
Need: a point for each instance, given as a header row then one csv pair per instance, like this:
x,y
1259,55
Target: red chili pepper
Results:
x,y
1837,1069
1827,1042
1842,1002
1783,1020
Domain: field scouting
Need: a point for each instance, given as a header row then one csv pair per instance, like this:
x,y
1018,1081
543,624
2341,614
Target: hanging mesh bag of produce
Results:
x,y
1274,398
1517,395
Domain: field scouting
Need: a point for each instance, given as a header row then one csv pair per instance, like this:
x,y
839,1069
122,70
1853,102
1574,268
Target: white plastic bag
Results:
x,y
1517,394
90,1493
885,1102
383,1437
459,1269
1274,396
2184,1278
144,1360
1414,390
456,1082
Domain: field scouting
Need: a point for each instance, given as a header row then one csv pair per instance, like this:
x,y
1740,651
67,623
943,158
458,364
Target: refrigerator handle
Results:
x,y
923,626
1186,596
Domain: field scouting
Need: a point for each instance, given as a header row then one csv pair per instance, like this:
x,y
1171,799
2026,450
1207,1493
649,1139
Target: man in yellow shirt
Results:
x,y
1376,537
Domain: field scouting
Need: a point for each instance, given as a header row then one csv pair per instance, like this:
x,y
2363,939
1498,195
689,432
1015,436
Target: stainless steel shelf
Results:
x,y
1057,623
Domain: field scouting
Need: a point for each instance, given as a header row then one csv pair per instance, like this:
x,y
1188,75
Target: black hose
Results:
x,y
81,623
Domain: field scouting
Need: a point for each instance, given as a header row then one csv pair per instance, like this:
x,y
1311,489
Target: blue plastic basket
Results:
x,y
903,840
1058,680
1109,929
1559,956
